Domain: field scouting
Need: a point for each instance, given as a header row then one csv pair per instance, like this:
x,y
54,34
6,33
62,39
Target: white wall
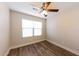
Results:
x,y
4,29
63,28
16,29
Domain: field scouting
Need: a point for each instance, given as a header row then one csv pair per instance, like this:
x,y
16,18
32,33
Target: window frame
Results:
x,y
32,29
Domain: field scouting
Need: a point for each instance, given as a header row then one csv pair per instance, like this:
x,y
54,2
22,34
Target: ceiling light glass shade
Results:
x,y
44,13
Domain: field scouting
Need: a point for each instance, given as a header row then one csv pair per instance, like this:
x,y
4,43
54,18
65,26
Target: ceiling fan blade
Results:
x,y
45,5
53,10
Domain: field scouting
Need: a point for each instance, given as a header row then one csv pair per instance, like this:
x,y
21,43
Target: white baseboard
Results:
x,y
7,52
63,47
13,47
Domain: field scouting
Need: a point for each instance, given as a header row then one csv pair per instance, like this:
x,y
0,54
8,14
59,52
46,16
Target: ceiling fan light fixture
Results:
x,y
44,13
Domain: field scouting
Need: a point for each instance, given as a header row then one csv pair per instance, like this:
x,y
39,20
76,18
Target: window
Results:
x,y
31,28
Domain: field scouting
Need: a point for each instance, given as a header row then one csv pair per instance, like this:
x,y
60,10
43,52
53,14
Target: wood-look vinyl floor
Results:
x,y
43,48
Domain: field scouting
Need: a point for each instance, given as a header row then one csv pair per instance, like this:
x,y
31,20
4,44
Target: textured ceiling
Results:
x,y
26,7
36,4
33,8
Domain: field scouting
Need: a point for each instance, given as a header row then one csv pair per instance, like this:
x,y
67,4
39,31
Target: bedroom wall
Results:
x,y
63,29
4,29
16,29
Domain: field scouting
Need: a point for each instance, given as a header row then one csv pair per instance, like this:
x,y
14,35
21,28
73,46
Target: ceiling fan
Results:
x,y
46,7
